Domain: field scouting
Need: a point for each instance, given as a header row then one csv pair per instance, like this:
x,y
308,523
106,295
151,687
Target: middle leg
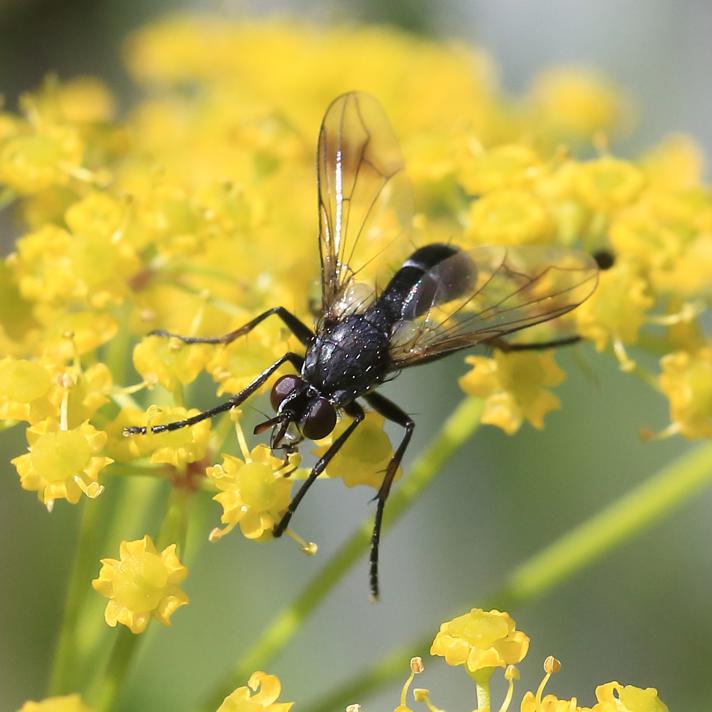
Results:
x,y
389,410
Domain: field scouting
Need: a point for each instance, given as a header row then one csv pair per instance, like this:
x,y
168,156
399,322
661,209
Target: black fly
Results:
x,y
442,299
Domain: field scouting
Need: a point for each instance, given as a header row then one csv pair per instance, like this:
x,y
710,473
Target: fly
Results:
x,y
440,300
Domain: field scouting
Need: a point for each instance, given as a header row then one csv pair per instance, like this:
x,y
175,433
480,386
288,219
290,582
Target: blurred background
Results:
x,y
642,616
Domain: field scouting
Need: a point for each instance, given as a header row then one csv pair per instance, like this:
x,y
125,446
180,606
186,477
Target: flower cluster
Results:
x,y
195,212
123,233
484,641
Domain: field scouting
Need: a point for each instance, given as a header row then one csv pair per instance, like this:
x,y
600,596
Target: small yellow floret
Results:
x,y
35,160
515,387
65,703
364,456
507,166
141,585
254,492
62,464
617,309
481,639
607,184
509,217
175,447
259,695
614,697
169,361
576,103
25,388
550,703
686,380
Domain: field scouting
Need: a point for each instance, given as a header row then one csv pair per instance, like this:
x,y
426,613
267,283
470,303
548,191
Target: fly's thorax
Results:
x,y
347,358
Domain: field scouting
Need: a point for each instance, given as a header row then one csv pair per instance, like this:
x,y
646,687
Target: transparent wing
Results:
x,y
365,201
487,292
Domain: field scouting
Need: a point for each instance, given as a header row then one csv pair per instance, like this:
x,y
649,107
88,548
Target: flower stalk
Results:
x,y
61,676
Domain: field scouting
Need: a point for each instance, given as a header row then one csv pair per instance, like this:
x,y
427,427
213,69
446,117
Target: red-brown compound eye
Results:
x,y
319,420
282,388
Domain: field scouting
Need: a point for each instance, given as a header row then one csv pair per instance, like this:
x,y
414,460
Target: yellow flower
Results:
x,y
555,186
85,100
18,324
607,184
676,162
25,387
614,697
514,387
97,213
686,380
480,639
55,265
509,217
33,390
617,309
169,361
62,464
87,390
254,492
549,703
239,363
260,695
141,585
508,166
65,703
175,447
576,103
39,158
365,455
67,334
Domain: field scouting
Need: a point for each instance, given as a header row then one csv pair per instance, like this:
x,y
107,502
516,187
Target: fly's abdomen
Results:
x,y
413,289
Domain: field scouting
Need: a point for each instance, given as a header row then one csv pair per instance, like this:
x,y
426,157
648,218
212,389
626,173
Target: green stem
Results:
x,y
575,550
104,689
125,645
456,430
118,350
7,198
84,560
482,686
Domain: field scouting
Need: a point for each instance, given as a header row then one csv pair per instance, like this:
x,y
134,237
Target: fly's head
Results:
x,y
301,413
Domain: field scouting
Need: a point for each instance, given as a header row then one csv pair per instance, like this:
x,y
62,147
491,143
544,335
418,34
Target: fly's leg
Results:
x,y
392,412
356,412
236,400
507,347
295,325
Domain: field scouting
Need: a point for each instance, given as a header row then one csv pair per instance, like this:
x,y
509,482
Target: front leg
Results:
x,y
394,413
294,324
235,401
356,412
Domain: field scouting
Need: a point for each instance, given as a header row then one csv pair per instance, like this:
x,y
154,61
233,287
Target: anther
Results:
x,y
306,547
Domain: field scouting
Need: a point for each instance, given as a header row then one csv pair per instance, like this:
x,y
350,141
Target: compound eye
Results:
x,y
282,388
319,420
